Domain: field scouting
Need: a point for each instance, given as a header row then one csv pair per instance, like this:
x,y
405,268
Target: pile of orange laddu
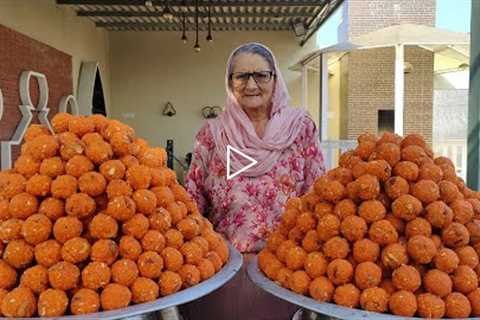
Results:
x,y
391,230
91,219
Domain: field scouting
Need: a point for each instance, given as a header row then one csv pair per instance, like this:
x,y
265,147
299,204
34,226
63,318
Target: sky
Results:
x,y
460,21
444,19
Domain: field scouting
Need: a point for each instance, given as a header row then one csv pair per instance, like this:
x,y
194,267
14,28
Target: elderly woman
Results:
x,y
258,122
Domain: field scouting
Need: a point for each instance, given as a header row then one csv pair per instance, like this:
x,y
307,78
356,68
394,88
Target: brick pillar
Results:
x,y
370,74
365,16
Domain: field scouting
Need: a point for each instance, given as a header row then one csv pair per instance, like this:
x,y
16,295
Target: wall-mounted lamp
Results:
x,y
299,28
169,110
407,67
210,112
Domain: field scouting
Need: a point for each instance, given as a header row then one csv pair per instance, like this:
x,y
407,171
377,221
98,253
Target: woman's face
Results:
x,y
256,91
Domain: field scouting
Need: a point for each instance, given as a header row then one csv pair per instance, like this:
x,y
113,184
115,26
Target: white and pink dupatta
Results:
x,y
233,127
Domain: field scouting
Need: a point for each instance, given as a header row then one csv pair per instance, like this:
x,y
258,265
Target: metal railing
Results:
x,y
455,150
332,149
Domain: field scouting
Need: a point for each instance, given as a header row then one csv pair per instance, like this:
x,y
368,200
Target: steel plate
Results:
x,y
223,276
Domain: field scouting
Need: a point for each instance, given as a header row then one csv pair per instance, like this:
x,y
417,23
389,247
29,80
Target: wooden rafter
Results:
x,y
234,3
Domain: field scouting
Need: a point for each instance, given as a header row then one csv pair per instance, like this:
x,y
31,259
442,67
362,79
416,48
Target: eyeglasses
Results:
x,y
260,77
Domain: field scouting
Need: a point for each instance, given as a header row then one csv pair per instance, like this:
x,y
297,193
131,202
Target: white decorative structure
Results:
x,y
86,86
26,99
66,101
27,108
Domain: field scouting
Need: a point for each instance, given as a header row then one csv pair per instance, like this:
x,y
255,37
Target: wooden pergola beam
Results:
x,y
191,26
328,8
174,3
153,14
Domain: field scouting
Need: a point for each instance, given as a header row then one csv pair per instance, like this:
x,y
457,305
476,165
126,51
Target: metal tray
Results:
x,y
328,309
223,276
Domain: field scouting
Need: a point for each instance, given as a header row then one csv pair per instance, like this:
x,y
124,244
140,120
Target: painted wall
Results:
x,y
60,28
452,80
149,69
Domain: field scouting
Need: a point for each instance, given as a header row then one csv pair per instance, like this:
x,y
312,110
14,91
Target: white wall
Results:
x,y
59,27
453,80
150,68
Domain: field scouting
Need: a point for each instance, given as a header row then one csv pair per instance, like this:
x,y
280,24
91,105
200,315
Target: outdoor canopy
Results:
x,y
454,45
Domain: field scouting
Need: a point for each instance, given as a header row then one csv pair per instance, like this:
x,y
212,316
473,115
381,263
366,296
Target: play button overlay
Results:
x,y
231,149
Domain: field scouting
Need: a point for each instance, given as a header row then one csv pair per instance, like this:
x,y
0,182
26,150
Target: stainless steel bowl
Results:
x,y
143,310
325,309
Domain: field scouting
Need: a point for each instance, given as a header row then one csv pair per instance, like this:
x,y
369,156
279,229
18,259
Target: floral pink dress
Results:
x,y
244,209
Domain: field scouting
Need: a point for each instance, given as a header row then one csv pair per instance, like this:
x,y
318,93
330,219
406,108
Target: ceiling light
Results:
x,y
197,46
209,36
407,67
167,13
184,35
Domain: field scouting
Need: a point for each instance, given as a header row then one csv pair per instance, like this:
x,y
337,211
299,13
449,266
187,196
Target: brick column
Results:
x,y
370,73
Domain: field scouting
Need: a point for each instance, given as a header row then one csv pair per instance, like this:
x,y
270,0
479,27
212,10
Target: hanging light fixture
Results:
x,y
167,13
184,34
209,36
197,46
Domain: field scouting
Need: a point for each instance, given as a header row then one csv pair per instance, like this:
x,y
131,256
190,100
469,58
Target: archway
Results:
x,y
98,100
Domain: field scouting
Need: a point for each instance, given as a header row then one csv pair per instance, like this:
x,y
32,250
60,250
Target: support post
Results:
x,y
304,87
473,140
323,97
399,89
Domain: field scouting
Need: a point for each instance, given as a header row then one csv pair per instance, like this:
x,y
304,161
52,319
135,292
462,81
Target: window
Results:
x,y
386,121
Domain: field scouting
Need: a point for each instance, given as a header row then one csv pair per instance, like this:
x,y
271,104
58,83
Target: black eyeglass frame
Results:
x,y
252,75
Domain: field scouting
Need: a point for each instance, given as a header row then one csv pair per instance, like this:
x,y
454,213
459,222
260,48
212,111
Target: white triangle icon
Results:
x,y
252,162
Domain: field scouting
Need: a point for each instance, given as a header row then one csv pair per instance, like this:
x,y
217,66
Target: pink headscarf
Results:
x,y
233,127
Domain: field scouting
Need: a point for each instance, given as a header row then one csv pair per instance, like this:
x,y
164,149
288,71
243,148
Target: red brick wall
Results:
x,y
20,53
